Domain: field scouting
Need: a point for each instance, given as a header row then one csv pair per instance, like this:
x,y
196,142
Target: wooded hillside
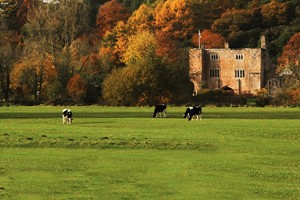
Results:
x,y
132,52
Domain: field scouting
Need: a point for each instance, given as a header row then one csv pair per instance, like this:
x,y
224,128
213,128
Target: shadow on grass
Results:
x,y
206,115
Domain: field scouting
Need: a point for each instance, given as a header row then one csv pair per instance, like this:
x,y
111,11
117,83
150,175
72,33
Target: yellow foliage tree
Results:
x,y
174,16
141,20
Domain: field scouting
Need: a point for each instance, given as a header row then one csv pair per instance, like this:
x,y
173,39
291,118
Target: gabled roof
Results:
x,y
285,71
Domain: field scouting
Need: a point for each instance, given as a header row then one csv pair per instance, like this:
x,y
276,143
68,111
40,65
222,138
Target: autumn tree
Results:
x,y
173,25
24,80
210,39
204,13
275,13
142,80
173,18
77,88
95,68
9,42
232,21
290,53
109,14
51,30
237,26
116,40
289,70
8,11
118,88
9,54
133,5
141,20
22,11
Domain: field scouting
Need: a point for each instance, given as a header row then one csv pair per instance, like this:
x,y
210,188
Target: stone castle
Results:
x,y
245,70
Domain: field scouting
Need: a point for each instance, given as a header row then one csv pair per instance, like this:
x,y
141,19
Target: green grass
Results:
x,y
123,153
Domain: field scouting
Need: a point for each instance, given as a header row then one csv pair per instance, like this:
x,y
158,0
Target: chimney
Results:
x,y
226,45
263,44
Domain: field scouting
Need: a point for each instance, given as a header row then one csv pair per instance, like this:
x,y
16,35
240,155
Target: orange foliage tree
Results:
x,y
291,53
294,97
290,61
173,17
109,14
24,83
77,88
30,79
23,10
232,21
210,39
274,13
173,24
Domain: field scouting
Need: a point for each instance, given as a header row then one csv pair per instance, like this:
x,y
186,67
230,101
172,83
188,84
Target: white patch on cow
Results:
x,y
67,119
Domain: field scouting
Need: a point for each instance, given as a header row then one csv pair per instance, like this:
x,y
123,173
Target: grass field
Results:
x,y
123,153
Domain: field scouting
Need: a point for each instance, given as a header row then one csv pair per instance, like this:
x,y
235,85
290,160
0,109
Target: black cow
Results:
x,y
191,112
160,109
67,116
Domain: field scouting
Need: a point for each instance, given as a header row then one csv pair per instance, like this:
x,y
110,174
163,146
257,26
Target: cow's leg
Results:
x,y
200,116
165,113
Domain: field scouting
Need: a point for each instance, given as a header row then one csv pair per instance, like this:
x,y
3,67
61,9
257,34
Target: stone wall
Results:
x,y
252,62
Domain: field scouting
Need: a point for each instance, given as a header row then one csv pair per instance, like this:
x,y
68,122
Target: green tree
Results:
x,y
119,88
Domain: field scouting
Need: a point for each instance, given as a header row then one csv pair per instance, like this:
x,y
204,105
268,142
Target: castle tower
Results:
x,y
196,67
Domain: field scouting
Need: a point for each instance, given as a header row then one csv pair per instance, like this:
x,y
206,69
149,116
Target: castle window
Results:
x,y
214,73
239,73
214,57
239,57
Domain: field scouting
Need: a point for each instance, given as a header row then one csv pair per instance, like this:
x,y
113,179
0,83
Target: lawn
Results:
x,y
123,153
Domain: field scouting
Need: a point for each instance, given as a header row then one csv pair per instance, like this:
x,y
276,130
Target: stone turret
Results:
x,y
196,67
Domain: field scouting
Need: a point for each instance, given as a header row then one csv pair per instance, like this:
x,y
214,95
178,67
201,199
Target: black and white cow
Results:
x,y
67,116
160,109
191,112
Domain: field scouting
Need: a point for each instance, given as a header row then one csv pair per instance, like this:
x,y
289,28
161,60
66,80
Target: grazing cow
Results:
x,y
191,112
160,109
67,116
